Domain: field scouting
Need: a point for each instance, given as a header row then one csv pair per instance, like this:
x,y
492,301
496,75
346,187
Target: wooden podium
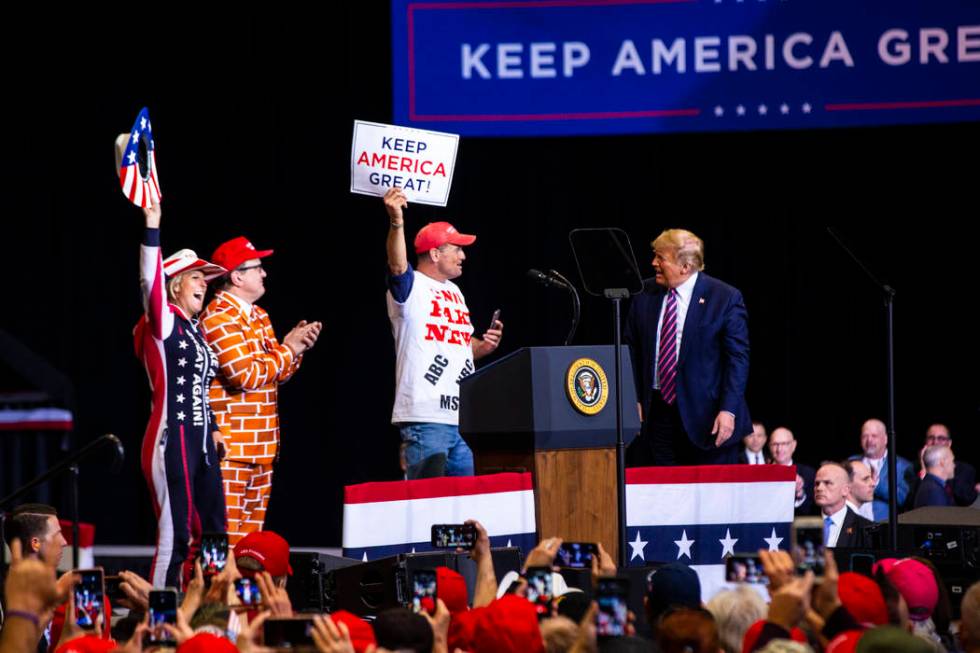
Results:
x,y
535,410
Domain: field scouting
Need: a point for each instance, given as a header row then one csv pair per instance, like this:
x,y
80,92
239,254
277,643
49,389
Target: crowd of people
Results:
x,y
854,493
902,606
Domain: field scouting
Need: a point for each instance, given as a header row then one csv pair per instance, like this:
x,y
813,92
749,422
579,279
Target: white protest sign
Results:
x,y
419,162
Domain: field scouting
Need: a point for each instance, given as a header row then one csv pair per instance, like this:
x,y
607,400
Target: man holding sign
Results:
x,y
434,343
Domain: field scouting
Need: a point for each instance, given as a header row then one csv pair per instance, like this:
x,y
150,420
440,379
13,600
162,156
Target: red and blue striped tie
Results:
x,y
667,360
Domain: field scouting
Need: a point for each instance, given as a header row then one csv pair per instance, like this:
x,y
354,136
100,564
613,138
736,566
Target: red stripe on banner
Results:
x,y
711,474
37,425
522,4
599,115
431,488
887,106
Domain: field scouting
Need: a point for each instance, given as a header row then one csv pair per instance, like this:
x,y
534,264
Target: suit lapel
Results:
x,y
695,311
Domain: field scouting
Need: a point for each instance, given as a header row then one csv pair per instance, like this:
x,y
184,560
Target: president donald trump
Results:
x,y
689,340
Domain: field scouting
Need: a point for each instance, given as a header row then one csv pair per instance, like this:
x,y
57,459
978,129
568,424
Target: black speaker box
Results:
x,y
943,535
306,586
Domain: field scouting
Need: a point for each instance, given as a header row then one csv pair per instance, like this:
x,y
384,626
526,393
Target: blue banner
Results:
x,y
555,67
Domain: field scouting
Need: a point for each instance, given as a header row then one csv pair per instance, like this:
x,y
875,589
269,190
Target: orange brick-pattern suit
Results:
x,y
244,399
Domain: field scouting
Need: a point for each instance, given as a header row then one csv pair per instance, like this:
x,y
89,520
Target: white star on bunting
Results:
x,y
728,544
684,546
637,545
773,541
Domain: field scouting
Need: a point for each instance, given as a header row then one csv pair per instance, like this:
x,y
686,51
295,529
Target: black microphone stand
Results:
x,y
576,305
888,294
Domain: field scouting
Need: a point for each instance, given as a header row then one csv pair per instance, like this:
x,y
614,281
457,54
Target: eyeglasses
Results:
x,y
246,268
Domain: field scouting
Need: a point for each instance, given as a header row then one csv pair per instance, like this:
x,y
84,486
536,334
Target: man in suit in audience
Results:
x,y
964,479
936,488
874,443
782,444
862,488
754,451
843,528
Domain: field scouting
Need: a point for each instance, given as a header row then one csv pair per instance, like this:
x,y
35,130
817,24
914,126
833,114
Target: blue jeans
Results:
x,y
426,439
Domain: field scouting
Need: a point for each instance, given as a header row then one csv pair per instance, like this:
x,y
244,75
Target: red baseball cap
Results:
x,y
437,234
268,548
862,599
917,584
361,632
206,643
87,644
508,625
232,253
451,588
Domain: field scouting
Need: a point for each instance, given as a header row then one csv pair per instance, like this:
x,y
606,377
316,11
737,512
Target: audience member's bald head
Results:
x,y
782,444
831,488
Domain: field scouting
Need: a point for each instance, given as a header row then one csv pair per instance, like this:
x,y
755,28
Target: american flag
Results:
x,y
700,515
138,170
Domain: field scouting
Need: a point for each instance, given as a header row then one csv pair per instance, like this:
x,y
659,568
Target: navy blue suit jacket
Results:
x,y
932,492
713,366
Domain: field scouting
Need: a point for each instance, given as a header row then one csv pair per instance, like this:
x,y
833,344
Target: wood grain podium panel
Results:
x,y
575,495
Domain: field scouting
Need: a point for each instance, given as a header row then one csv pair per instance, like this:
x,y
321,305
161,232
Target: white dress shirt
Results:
x,y
865,510
838,519
755,458
875,466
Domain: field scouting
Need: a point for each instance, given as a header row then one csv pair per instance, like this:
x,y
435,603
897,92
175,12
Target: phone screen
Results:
x,y
89,599
496,316
745,568
248,591
214,553
288,633
577,555
808,549
163,610
424,591
611,597
451,536
539,589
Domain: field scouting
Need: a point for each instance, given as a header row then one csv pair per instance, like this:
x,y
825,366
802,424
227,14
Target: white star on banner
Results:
x,y
180,398
180,415
763,109
182,344
784,108
131,157
181,362
773,541
142,123
806,107
508,543
180,380
728,544
719,111
136,136
684,545
365,557
740,110
637,545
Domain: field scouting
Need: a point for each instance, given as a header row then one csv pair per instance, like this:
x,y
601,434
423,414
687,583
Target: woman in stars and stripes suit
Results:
x,y
179,456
